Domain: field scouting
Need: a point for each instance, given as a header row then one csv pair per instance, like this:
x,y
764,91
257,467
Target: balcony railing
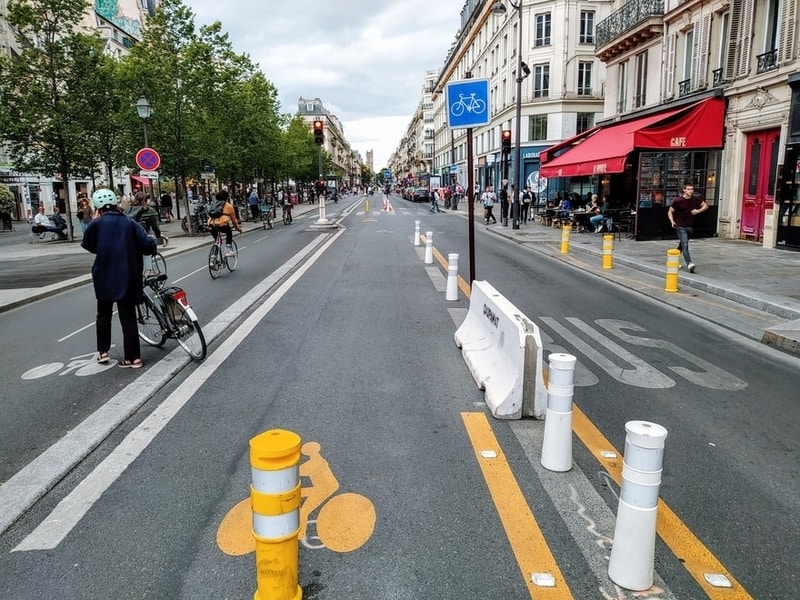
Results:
x,y
767,61
719,77
684,87
629,16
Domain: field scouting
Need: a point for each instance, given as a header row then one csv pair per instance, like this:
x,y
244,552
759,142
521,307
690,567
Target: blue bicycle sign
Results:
x,y
467,103
470,104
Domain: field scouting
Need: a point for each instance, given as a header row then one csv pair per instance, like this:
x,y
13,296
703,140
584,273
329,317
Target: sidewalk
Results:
x,y
766,280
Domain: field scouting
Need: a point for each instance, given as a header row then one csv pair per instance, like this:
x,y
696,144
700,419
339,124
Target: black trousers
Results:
x,y
127,319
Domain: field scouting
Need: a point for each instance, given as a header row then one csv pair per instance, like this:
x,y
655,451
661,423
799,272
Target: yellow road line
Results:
x,y
693,554
462,283
527,542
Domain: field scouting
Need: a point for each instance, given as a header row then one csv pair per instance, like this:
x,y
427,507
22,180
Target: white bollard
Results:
x,y
416,233
428,247
632,561
557,443
452,277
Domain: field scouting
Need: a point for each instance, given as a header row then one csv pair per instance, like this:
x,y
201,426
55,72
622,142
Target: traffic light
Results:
x,y
319,132
506,141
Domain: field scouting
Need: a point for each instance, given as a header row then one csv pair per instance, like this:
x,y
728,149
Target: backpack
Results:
x,y
215,208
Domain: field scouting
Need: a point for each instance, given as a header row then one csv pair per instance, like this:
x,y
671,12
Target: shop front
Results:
x,y
788,200
642,163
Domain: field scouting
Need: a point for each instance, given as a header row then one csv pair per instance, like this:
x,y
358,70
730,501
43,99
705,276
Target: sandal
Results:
x,y
131,364
102,357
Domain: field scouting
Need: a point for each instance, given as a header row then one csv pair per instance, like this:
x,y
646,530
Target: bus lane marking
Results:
x,y
710,377
642,374
528,544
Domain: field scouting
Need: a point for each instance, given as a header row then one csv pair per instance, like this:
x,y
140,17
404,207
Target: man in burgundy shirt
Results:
x,y
681,214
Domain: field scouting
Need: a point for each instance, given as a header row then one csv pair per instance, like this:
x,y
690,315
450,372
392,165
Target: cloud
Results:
x,y
365,60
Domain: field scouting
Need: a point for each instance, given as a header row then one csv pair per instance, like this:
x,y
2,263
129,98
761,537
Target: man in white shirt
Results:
x,y
43,223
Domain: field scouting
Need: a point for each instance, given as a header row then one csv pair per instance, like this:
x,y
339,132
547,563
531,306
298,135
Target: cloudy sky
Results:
x,y
365,59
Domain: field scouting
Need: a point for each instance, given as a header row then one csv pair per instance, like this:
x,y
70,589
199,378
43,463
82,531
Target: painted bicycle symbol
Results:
x,y
344,522
469,103
82,366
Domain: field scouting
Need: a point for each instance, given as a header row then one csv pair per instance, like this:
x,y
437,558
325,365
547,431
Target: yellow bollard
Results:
x,y
608,251
275,499
565,238
366,206
673,264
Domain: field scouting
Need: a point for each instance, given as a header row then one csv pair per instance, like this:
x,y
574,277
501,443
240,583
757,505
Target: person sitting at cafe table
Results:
x,y
562,210
593,207
600,219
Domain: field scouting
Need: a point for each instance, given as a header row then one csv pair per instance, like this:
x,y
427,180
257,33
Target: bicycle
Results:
x,y
287,214
217,259
155,265
266,215
469,103
165,313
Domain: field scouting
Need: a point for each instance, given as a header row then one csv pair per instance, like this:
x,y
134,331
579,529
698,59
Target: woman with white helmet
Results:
x,y
119,245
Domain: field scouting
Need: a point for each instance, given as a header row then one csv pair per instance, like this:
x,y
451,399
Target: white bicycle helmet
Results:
x,y
104,197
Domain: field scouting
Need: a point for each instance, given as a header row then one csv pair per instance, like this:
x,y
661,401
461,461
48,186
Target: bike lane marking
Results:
x,y
23,489
696,558
527,541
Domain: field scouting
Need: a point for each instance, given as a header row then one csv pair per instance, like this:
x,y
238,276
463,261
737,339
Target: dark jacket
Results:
x,y
119,244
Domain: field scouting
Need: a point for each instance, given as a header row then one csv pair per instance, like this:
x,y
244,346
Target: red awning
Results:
x,y
606,149
141,180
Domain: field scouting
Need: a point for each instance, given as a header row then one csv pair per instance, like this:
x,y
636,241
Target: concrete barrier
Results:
x,y
503,350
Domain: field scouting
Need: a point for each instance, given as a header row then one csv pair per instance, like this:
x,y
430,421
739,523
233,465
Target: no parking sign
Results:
x,y
148,159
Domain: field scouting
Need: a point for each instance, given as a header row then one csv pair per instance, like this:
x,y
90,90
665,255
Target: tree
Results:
x,y
43,96
7,205
300,153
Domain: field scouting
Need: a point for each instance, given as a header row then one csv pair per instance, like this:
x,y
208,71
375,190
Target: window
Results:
x,y
688,54
584,79
771,37
622,90
537,128
586,35
724,32
542,30
584,123
310,107
541,81
640,93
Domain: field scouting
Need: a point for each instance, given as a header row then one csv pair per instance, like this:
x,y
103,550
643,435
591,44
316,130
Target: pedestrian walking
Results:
x,y
489,199
681,214
434,201
119,245
85,211
527,197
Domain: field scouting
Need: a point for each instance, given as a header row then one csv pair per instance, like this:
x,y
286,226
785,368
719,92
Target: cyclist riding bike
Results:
x,y
222,219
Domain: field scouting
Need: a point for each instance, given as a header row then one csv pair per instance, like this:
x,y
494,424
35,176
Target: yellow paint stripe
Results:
x,y
462,283
693,554
527,542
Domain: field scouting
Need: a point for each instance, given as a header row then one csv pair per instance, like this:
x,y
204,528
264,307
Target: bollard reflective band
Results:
x,y
275,504
273,482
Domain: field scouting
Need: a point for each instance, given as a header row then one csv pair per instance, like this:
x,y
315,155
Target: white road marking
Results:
x,y
73,507
33,481
710,376
641,375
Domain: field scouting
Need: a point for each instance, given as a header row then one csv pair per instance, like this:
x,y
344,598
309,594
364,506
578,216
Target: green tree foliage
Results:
x,y
7,201
43,95
300,153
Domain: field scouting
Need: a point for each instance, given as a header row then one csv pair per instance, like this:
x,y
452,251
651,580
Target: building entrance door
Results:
x,y
761,163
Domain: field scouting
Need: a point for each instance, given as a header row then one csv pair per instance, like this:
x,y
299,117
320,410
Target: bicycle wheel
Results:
x,y
233,261
286,220
149,323
189,335
214,262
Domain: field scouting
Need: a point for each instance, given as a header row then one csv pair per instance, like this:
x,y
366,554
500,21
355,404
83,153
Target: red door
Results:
x,y
761,164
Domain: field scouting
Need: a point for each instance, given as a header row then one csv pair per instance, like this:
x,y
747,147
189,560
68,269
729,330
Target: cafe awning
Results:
x,y
143,181
605,149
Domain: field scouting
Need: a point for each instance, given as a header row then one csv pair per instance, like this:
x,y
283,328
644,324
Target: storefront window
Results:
x,y
662,174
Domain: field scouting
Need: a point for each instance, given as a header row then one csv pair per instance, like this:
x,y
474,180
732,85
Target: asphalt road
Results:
x,y
352,348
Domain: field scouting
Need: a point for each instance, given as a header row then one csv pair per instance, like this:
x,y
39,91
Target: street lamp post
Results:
x,y
144,111
522,72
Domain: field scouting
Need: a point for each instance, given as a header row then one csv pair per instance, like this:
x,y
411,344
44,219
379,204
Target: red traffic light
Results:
x,y
319,134
506,140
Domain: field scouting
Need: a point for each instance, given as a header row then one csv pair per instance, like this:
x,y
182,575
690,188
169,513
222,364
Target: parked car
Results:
x,y
421,194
